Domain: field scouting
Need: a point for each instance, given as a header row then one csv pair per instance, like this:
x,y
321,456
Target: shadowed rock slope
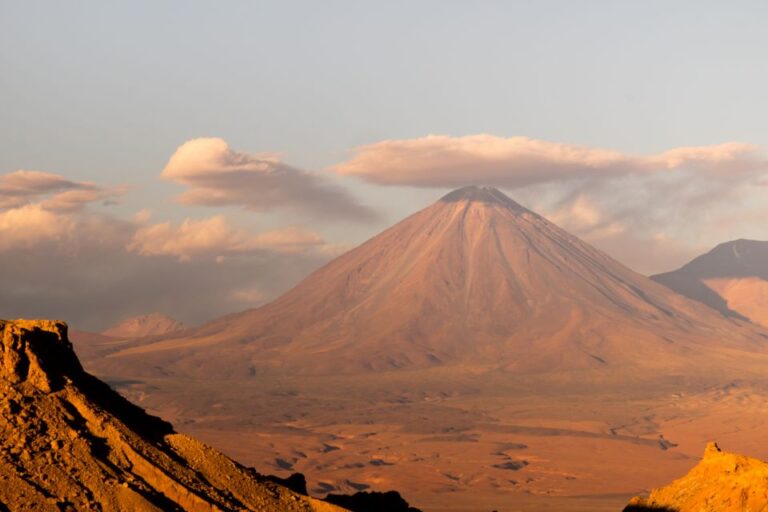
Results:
x,y
71,443
731,278
721,482
474,279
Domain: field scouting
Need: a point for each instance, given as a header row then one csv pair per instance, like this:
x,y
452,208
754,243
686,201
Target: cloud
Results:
x,y
72,200
443,161
649,253
60,259
652,223
219,176
215,238
77,266
651,212
23,187
30,224
581,215
638,241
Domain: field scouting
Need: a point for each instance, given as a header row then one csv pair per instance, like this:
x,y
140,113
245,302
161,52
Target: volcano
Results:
x,y
474,279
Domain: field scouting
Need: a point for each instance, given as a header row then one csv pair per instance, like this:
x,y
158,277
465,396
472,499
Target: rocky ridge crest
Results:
x,y
72,443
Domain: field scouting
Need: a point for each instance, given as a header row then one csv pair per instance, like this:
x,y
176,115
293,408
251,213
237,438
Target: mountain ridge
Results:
x,y
72,443
731,278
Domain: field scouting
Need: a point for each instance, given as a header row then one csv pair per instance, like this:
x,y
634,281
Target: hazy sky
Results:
x,y
639,126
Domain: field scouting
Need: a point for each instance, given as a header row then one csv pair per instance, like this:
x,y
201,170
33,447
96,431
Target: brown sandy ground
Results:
x,y
465,441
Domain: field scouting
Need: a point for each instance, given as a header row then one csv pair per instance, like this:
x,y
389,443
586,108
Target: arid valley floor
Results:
x,y
467,442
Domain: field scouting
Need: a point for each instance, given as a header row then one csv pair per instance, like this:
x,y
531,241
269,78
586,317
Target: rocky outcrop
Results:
x,y
721,482
71,443
37,353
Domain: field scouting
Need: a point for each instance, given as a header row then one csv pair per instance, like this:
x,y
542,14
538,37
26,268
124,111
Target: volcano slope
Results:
x,y
473,355
732,278
71,443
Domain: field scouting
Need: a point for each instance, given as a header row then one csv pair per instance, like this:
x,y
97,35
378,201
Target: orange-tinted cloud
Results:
x,y
20,185
94,268
24,187
443,161
213,237
65,260
217,175
30,224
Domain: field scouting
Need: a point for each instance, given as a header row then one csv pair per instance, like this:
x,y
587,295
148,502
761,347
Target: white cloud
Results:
x,y
217,176
443,161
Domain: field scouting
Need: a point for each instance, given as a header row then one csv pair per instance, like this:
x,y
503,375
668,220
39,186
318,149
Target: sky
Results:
x,y
199,158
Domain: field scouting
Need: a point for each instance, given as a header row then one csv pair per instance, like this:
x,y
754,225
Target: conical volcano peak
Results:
x,y
475,194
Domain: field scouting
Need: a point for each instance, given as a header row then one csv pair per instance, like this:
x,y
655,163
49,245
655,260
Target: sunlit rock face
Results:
x,y
71,443
721,482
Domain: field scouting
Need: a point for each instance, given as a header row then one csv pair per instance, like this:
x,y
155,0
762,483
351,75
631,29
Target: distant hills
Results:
x,y
144,325
731,278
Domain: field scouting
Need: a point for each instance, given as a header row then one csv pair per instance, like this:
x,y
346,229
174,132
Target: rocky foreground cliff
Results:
x,y
70,443
721,482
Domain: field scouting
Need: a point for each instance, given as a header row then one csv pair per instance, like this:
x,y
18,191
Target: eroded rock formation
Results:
x,y
721,482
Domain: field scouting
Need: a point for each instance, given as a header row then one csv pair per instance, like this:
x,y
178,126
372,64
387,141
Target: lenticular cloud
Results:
x,y
443,161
